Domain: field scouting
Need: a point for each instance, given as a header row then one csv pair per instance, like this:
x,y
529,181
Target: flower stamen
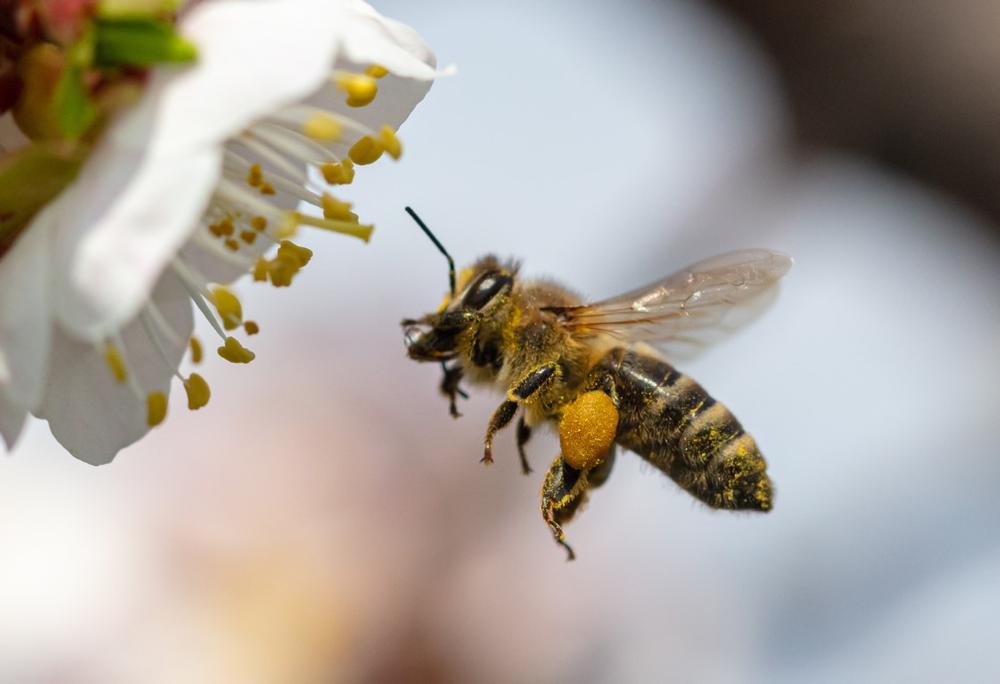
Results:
x,y
194,284
234,352
361,89
197,351
198,391
195,385
116,363
229,307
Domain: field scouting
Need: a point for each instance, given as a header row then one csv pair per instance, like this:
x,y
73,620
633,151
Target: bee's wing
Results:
x,y
690,307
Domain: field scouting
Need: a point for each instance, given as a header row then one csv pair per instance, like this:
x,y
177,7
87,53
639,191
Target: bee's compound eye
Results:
x,y
486,287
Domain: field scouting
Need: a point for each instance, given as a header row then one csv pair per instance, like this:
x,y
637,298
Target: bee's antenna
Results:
x,y
427,231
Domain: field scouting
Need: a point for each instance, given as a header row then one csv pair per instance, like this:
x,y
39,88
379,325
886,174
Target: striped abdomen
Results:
x,y
671,421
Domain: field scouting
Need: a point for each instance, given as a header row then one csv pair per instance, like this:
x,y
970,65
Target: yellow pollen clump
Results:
x,y
376,71
338,174
234,352
248,236
365,151
587,429
251,327
255,178
322,127
196,350
335,209
258,223
389,142
197,391
229,307
223,228
266,188
156,408
232,245
116,363
361,89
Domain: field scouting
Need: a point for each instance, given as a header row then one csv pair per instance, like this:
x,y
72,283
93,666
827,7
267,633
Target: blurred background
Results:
x,y
324,520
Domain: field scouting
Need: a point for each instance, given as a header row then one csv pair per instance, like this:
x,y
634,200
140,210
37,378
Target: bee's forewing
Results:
x,y
691,306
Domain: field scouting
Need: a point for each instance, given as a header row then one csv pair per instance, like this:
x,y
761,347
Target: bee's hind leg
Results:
x,y
563,493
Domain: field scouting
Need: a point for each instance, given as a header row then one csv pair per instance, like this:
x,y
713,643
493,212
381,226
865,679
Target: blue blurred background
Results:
x,y
325,520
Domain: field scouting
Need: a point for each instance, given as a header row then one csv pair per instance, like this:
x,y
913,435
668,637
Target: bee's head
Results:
x,y
480,289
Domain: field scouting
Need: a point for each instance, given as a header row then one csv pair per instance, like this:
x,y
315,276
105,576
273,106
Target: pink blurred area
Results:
x,y
325,520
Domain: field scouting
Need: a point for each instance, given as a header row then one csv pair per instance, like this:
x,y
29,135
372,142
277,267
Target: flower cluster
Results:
x,y
249,111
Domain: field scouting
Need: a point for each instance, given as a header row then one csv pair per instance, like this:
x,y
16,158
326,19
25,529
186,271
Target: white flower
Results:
x,y
189,188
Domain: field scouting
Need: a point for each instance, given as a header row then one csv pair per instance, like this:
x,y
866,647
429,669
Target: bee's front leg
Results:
x,y
523,435
520,392
563,492
449,387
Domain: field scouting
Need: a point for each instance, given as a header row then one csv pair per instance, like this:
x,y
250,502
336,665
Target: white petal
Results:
x,y
12,417
119,224
253,58
370,38
88,412
25,324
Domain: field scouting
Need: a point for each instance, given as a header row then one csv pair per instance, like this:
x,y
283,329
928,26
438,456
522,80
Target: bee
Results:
x,y
589,368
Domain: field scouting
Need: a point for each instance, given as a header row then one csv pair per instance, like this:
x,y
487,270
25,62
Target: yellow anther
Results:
x,y
281,272
248,236
234,352
197,391
322,127
196,350
258,223
360,88
376,71
260,270
251,327
388,141
232,245
223,228
255,177
156,408
229,307
335,209
116,363
300,256
266,188
338,174
365,151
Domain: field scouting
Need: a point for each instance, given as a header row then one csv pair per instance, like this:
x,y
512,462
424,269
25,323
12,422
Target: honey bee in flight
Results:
x,y
589,368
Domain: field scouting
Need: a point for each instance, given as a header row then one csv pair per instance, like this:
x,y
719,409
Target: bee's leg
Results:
x,y
450,388
563,491
523,435
503,415
530,384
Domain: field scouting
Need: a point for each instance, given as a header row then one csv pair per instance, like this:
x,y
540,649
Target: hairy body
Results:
x,y
557,359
